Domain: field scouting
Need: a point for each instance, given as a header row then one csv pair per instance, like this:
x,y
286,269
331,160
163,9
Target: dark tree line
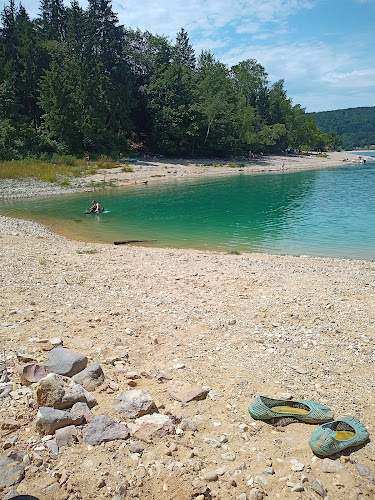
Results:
x,y
355,125
75,81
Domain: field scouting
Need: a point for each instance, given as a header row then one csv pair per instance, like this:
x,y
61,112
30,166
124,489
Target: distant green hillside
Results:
x,y
356,125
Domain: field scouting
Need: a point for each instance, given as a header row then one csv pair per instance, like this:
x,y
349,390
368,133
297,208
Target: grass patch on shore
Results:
x,y
57,170
60,169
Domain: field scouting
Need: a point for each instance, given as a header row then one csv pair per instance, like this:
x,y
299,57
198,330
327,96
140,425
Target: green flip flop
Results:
x,y
264,408
338,435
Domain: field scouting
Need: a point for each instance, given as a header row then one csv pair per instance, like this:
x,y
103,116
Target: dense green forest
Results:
x,y
355,125
74,81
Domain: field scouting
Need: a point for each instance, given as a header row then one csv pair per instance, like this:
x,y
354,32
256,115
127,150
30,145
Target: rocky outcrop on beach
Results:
x,y
161,352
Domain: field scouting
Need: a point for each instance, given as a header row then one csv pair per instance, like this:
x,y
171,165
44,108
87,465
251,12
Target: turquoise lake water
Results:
x,y
322,212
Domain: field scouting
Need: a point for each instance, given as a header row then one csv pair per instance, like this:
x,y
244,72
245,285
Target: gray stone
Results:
x,y
91,377
66,436
36,458
82,410
121,490
11,472
187,424
185,392
329,466
212,442
210,476
261,479
10,441
56,342
61,392
3,373
135,447
52,489
150,427
48,420
364,471
52,446
318,488
135,403
65,362
296,466
103,429
213,395
228,457
221,471
268,470
256,494
6,389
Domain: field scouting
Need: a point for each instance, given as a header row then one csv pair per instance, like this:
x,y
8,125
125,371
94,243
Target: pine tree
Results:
x,y
8,36
76,29
104,32
30,61
52,20
183,50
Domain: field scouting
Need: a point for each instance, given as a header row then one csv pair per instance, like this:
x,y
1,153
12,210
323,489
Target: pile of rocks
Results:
x,y
59,389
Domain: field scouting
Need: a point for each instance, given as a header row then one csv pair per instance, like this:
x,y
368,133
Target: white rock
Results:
x,y
296,466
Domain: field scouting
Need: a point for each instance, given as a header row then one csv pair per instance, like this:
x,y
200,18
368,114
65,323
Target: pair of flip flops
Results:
x,y
331,437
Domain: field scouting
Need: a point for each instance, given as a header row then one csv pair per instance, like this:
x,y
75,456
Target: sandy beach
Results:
x,y
163,320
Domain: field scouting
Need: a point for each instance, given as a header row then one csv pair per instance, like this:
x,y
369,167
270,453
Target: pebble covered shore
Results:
x,y
29,188
164,326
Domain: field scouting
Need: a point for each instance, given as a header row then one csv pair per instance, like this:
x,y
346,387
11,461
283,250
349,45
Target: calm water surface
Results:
x,y
325,212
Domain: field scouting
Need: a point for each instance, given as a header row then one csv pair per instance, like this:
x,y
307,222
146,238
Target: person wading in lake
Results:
x,y
95,207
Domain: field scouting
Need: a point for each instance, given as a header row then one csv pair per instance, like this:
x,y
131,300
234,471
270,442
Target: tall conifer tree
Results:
x,y
52,19
183,50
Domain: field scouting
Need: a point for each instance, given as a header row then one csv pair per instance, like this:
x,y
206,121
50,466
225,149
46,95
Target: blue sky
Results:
x,y
323,49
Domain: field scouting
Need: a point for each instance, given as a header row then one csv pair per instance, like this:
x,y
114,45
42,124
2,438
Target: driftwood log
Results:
x,y
125,242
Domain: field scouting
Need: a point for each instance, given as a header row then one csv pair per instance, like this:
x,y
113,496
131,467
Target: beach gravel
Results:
x,y
242,325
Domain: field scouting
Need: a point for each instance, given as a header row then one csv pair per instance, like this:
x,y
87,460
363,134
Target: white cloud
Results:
x,y
293,62
248,26
158,16
362,78
196,16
